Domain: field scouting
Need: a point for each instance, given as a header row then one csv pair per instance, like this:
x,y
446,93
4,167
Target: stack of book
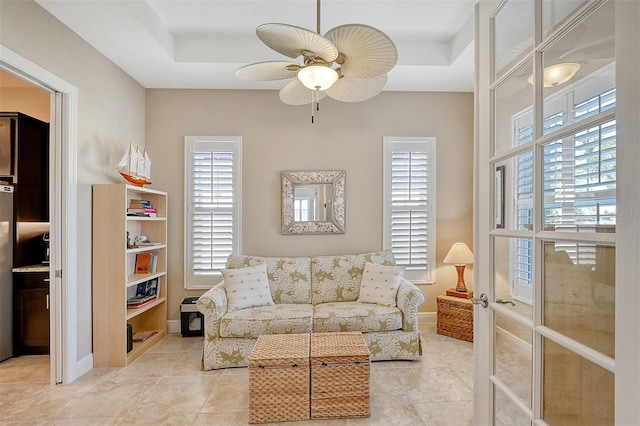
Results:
x,y
141,208
146,292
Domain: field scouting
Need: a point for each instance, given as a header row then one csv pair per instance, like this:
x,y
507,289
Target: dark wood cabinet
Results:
x,y
30,313
30,138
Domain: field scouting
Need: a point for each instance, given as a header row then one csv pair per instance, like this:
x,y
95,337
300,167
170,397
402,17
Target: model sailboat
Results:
x,y
135,166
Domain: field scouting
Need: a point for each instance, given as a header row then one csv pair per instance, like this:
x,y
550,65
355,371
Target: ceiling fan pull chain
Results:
x,y
312,93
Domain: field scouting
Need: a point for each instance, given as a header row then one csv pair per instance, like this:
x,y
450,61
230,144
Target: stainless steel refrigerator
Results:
x,y
6,278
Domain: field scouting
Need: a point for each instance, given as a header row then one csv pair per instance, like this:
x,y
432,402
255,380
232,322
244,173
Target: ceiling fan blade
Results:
x,y
368,51
290,41
273,70
295,93
357,89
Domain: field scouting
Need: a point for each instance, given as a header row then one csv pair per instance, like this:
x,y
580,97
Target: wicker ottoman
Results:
x,y
279,378
455,317
340,375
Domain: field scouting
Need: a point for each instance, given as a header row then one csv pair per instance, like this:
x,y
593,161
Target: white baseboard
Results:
x,y
82,367
427,317
173,326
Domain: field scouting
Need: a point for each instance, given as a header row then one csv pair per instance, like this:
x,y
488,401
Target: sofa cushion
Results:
x,y
355,316
277,319
380,284
247,287
337,278
289,277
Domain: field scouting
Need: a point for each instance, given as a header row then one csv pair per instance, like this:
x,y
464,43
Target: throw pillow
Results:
x,y
247,287
380,284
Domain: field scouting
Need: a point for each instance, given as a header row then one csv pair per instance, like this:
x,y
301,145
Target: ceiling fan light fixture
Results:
x,y
318,77
558,74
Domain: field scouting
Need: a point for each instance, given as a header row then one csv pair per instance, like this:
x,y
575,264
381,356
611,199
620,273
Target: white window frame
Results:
x,y
193,281
420,144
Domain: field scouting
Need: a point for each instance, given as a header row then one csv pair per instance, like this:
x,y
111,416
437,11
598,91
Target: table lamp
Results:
x,y
460,255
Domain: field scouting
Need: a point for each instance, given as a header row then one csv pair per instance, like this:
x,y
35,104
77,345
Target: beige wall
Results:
x,y
279,137
111,109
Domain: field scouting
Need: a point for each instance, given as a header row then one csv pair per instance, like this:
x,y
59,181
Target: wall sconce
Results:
x,y
557,74
460,255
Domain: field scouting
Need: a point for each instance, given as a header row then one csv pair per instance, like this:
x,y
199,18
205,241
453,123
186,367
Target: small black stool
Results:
x,y
191,321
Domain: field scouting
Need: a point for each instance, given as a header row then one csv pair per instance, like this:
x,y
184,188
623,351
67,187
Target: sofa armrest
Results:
x,y
408,299
213,305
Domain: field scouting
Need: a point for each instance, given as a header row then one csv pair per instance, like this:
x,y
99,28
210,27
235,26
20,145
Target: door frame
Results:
x,y
63,212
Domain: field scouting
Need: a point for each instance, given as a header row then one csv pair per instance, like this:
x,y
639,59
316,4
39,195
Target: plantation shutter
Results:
x,y
212,206
212,210
410,233
409,208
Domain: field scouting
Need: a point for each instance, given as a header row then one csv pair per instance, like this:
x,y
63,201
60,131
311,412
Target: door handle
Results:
x,y
483,300
505,301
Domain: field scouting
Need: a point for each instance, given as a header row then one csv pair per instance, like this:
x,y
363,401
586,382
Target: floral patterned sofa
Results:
x,y
311,294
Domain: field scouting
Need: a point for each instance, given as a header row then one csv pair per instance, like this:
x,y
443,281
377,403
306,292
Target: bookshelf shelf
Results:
x,y
145,249
145,219
140,278
114,280
134,312
141,347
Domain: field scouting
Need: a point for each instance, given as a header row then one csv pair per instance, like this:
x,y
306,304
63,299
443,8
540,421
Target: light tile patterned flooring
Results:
x,y
167,386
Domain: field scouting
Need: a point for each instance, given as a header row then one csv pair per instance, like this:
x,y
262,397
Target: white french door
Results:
x,y
552,205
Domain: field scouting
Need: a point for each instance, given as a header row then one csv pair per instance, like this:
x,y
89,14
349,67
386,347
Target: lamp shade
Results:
x,y
459,254
318,77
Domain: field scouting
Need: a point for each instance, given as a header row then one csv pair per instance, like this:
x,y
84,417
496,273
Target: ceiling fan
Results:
x,y
349,63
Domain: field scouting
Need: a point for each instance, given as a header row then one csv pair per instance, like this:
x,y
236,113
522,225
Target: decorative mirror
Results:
x,y
313,202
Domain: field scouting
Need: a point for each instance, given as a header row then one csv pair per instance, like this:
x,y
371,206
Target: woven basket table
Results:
x,y
279,378
455,317
340,376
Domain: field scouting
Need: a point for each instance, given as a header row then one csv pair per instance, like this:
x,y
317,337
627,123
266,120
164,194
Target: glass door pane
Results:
x,y
513,356
579,68
513,273
575,390
513,34
507,412
580,181
555,11
579,293
513,111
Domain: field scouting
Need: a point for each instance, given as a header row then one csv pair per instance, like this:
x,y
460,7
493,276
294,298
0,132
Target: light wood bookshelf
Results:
x,y
114,279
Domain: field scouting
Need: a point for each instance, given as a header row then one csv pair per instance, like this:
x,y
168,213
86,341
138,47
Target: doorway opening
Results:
x,y
26,117
63,364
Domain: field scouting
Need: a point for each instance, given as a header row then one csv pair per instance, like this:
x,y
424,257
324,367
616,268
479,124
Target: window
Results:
x,y
212,206
409,205
579,180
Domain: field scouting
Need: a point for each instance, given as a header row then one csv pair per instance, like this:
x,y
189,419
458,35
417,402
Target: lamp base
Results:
x,y
461,294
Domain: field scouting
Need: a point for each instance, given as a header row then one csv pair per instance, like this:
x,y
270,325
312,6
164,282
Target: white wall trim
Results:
x,y
427,317
65,287
84,365
173,326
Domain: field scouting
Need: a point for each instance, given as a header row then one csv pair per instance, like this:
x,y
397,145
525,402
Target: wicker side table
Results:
x,y
455,317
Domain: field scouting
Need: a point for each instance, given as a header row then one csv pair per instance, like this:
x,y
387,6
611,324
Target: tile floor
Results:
x,y
167,386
